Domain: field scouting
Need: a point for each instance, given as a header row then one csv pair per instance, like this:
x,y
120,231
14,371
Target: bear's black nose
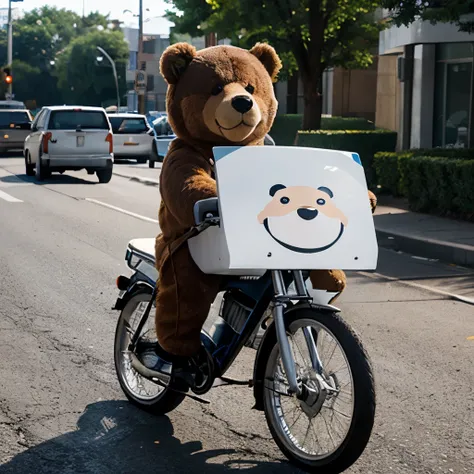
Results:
x,y
242,103
307,214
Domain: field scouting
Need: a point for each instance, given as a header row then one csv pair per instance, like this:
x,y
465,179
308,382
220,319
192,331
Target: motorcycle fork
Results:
x,y
281,299
143,320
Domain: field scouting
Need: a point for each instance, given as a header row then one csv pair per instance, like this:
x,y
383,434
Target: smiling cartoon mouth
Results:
x,y
307,213
235,126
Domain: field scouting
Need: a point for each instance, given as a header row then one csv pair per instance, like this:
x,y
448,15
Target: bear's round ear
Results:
x,y
327,191
267,55
275,188
174,61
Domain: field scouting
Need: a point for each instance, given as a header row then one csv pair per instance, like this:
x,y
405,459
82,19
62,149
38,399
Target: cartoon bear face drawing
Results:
x,y
303,219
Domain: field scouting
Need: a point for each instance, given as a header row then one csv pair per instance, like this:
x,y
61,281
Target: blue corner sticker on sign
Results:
x,y
356,158
222,151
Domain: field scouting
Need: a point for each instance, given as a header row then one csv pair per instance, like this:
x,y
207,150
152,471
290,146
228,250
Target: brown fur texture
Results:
x,y
221,95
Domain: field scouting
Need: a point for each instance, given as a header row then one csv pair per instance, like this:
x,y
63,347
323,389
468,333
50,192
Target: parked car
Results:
x,y
164,135
133,137
152,115
15,126
70,138
12,104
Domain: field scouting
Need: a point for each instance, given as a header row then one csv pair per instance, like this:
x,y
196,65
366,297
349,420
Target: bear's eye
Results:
x,y
321,201
217,89
250,89
285,200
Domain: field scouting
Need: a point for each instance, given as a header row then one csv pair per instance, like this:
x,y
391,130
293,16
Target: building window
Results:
x,y
149,46
150,83
132,61
453,93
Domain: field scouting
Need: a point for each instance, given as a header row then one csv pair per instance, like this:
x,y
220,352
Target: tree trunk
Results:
x,y
313,101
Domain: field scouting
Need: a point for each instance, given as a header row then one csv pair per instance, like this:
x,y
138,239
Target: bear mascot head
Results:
x,y
220,95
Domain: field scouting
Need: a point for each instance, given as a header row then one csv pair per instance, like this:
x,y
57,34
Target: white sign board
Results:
x,y
288,208
140,82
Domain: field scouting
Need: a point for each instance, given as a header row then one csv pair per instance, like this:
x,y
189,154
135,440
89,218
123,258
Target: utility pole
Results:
x,y
141,96
10,45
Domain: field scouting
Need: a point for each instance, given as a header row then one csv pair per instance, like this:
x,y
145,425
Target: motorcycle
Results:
x,y
312,377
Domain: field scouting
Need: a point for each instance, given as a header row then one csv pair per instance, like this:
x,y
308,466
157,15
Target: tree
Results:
x,y
81,79
452,11
309,35
38,38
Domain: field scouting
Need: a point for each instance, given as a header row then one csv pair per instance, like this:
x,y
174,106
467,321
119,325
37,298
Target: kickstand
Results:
x,y
190,395
223,381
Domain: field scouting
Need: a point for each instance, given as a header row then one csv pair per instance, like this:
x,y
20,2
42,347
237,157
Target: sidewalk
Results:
x,y
423,235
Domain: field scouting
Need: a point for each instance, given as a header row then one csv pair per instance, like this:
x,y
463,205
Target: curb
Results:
x,y
411,284
448,252
139,179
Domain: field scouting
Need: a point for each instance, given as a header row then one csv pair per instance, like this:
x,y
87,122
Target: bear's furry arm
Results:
x,y
185,179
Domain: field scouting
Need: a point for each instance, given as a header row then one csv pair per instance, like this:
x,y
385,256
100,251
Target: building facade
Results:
x,y
425,85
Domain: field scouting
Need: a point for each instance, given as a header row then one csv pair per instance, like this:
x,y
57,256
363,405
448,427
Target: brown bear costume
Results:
x,y
222,95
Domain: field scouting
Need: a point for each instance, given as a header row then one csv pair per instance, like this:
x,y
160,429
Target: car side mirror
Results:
x,y
206,210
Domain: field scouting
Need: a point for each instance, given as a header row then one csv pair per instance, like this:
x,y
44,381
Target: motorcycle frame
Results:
x,y
271,287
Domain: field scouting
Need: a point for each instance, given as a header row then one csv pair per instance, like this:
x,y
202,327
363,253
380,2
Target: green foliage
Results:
x,y
310,36
389,172
364,142
434,11
439,185
84,81
285,127
39,37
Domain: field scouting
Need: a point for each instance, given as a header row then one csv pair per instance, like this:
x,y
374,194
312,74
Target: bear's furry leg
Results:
x,y
184,298
333,281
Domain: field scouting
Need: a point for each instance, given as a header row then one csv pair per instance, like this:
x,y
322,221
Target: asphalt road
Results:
x,y
61,408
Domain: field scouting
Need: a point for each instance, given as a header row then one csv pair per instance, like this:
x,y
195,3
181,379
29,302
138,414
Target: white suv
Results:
x,y
70,138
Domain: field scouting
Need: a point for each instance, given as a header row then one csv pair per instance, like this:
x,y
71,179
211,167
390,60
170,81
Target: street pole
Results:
x,y
10,44
112,62
141,97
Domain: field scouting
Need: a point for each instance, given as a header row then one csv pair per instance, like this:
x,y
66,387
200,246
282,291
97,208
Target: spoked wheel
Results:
x,y
140,391
327,428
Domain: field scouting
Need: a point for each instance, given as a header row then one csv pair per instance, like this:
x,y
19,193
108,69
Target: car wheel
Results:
x,y
42,170
30,169
104,175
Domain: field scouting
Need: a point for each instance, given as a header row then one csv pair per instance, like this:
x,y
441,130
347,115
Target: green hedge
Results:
x,y
387,166
439,185
285,127
364,142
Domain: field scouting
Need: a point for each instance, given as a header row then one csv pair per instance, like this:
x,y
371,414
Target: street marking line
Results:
x,y
8,198
123,211
453,296
470,338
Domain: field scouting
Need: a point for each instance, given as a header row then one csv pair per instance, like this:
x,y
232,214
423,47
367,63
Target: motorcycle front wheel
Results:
x,y
328,428
140,391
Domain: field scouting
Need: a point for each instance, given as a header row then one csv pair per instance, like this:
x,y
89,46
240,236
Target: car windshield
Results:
x,y
78,120
8,118
162,126
128,125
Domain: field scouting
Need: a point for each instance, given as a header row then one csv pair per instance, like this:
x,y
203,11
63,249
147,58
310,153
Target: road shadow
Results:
x,y
12,154
53,179
115,437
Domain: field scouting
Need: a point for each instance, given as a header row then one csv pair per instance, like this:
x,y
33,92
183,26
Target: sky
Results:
x,y
115,8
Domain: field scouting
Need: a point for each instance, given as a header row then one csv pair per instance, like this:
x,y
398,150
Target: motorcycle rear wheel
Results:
x,y
356,421
140,391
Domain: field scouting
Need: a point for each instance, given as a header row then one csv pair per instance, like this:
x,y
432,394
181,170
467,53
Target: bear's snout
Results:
x,y
307,214
242,103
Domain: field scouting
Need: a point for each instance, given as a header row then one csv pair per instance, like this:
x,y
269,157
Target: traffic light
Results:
x,y
8,75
